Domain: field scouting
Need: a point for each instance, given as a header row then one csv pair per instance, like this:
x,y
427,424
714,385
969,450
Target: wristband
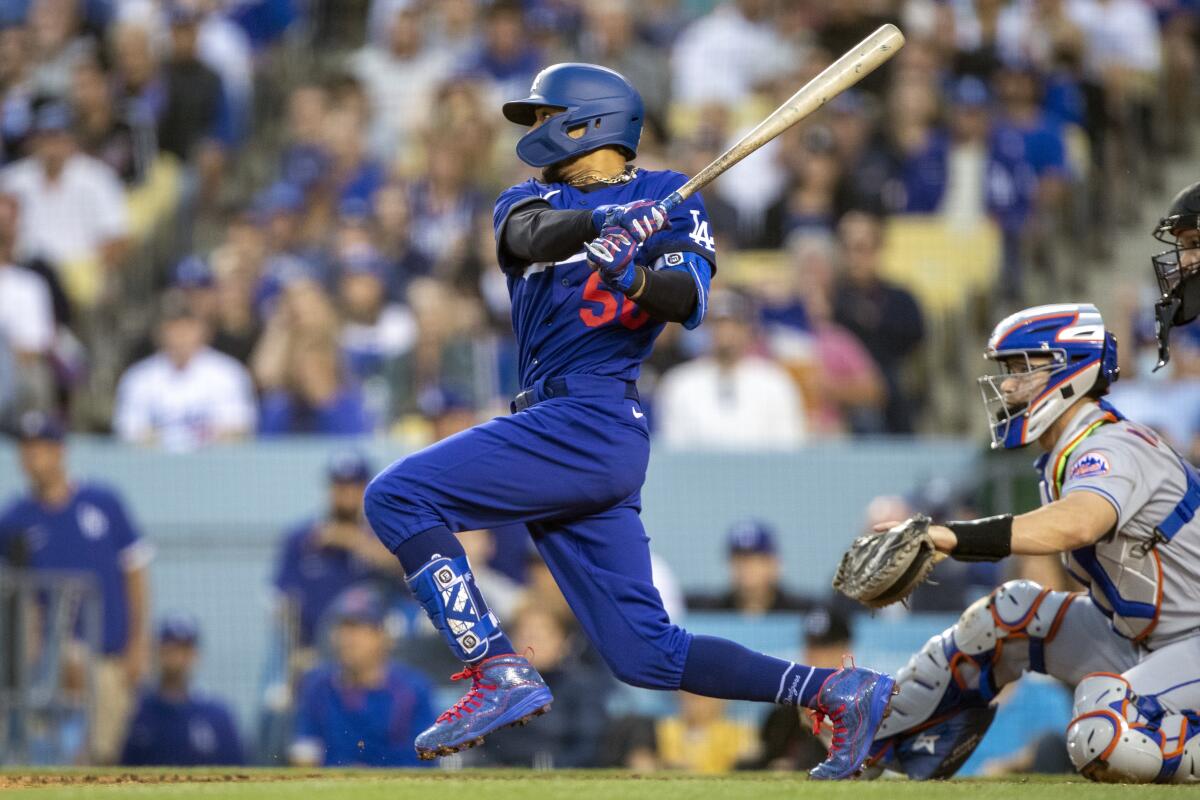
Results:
x,y
987,539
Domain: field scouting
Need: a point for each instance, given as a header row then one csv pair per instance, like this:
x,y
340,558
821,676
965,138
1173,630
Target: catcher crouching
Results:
x,y
1119,505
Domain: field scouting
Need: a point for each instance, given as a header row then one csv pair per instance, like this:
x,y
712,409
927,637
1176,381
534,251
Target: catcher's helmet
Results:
x,y
1177,269
594,98
1082,359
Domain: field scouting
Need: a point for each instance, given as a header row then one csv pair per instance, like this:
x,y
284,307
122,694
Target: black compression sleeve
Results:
x,y
668,295
987,539
537,232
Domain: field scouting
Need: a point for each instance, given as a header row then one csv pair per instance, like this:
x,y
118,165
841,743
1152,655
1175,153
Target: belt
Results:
x,y
574,386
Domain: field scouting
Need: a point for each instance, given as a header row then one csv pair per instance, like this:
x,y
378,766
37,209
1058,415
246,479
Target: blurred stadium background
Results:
x,y
305,186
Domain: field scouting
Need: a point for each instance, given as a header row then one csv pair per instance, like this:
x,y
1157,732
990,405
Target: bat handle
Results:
x,y
673,199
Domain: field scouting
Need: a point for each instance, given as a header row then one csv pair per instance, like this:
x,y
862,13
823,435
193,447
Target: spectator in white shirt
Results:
x,y
73,211
400,75
26,309
727,54
375,332
187,394
27,325
730,399
1120,36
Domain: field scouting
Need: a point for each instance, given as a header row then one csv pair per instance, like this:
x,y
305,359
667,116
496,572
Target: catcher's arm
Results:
x,y
1077,520
886,567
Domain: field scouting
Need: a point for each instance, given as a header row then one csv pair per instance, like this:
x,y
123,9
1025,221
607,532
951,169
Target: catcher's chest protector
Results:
x,y
1156,494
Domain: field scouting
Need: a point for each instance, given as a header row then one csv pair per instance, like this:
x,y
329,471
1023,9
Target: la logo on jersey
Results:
x,y
1090,465
700,234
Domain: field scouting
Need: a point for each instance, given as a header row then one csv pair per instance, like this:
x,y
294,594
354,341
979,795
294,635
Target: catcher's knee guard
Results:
x,y
1118,737
1110,739
996,639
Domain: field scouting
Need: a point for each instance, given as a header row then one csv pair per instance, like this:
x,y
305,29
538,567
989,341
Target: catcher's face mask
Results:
x,y
1009,395
1178,274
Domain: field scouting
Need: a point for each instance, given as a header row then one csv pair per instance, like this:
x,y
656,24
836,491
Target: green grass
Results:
x,y
262,784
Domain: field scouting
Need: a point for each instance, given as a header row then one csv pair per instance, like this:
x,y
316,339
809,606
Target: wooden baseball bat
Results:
x,y
856,64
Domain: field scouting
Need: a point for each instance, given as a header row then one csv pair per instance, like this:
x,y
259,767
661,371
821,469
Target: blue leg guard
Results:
x,y
446,588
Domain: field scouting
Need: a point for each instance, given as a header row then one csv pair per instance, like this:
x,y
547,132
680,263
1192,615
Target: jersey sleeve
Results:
x,y
700,270
133,550
286,570
1120,471
509,201
690,229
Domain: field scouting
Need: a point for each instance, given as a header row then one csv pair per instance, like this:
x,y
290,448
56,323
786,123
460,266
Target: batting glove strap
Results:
x,y
986,539
612,256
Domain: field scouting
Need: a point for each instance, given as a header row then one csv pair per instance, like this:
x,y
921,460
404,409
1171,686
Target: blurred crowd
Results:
x,y
231,218
356,669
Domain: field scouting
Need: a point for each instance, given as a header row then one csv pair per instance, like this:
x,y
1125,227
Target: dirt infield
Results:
x,y
117,778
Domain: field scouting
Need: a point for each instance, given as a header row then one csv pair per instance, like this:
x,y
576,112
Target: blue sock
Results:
x,y
721,668
416,552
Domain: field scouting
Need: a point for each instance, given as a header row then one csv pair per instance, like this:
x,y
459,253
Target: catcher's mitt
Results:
x,y
884,568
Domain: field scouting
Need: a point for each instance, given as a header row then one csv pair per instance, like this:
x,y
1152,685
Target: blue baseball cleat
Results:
x,y
855,701
505,690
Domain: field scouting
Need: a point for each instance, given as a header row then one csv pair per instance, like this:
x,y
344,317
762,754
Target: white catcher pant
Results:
x,y
1087,643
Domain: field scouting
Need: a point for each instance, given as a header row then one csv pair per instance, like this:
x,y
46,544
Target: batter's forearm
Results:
x,y
666,295
537,232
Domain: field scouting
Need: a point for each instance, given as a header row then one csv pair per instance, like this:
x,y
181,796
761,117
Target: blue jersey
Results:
x,y
313,576
566,321
90,533
373,727
1019,157
194,732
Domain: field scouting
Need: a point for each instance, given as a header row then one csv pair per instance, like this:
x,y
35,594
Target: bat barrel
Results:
x,y
848,70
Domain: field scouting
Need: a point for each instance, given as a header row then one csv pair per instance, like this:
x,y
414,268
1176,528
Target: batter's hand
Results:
x,y
641,219
612,256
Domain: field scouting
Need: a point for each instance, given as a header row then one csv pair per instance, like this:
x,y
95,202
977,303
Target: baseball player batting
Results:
x,y
1119,505
596,265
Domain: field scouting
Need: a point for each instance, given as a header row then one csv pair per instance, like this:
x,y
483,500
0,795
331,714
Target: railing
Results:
x,y
50,629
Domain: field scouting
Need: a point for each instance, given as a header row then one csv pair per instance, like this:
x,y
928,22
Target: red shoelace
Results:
x,y
839,730
473,699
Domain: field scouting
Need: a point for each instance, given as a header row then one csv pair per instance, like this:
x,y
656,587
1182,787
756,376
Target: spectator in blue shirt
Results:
x,y
363,709
323,557
67,526
884,316
920,148
1027,167
508,58
174,724
298,366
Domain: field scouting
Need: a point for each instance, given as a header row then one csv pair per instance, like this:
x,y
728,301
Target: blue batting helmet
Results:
x,y
1068,344
594,98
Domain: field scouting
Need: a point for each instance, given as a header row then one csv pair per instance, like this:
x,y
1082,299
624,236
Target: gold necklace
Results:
x,y
587,178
